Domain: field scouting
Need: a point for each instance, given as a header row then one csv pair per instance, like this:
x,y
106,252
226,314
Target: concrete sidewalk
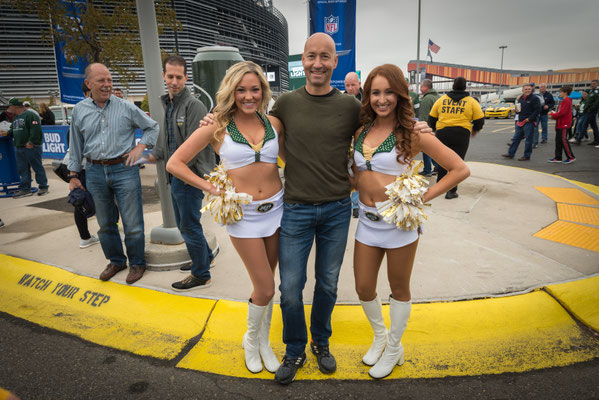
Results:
x,y
479,245
528,238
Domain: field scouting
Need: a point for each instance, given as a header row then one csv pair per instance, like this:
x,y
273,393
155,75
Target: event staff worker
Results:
x,y
26,130
248,144
319,124
528,108
183,113
103,131
385,145
455,116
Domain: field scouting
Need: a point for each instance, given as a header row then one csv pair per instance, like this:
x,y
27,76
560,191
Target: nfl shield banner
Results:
x,y
338,19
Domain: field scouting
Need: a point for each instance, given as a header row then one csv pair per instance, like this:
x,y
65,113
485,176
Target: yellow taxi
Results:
x,y
501,110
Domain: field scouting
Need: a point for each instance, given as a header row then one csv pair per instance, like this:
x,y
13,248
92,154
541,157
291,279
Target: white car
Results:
x,y
62,113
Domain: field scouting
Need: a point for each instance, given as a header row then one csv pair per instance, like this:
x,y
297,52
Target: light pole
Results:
x,y
501,74
418,52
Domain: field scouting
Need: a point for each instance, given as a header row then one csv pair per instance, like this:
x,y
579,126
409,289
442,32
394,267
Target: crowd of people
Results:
x,y
312,129
571,122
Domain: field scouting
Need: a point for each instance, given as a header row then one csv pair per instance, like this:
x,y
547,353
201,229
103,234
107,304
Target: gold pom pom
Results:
x,y
226,207
405,207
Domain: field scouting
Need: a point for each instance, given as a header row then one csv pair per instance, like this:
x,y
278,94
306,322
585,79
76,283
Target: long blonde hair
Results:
x,y
225,97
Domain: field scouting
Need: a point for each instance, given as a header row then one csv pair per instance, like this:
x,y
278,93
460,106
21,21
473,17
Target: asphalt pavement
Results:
x,y
505,264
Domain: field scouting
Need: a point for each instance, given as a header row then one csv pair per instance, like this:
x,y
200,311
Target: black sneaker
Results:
x,y
451,195
191,282
326,361
22,193
286,372
42,191
186,268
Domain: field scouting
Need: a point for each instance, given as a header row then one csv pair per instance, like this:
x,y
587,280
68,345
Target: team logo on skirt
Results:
x,y
372,216
265,207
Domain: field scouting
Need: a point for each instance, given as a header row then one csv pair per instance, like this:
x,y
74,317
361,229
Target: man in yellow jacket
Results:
x,y
456,116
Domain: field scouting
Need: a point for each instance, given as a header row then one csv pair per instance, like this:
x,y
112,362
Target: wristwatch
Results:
x,y
69,177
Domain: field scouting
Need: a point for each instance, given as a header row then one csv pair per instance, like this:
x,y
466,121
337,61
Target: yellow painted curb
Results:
x,y
581,298
141,321
509,334
590,187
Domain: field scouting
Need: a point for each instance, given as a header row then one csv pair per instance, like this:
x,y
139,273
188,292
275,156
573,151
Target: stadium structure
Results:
x,y
255,27
483,81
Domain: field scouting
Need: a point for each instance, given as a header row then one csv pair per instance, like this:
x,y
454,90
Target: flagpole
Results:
x,y
418,52
308,14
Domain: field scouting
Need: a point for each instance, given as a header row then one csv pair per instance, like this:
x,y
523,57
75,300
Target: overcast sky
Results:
x,y
540,34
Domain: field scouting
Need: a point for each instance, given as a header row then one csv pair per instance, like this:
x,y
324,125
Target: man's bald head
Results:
x,y
94,67
319,59
352,83
321,39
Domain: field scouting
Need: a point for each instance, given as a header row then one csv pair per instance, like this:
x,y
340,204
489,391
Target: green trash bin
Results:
x,y
209,67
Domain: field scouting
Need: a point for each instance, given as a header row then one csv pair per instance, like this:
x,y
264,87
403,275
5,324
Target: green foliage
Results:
x,y
104,31
145,104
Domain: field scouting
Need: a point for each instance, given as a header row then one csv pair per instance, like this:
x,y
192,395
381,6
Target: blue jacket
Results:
x,y
529,108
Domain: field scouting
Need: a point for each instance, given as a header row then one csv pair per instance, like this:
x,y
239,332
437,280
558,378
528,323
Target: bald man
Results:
x,y
103,131
353,85
319,125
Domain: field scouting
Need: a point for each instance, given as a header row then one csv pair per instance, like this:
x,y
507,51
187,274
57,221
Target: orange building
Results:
x,y
492,76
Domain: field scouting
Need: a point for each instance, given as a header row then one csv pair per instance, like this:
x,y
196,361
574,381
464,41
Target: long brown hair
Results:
x,y
404,122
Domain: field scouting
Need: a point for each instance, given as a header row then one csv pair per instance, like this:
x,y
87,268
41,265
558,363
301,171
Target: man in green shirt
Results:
x,y
320,122
26,129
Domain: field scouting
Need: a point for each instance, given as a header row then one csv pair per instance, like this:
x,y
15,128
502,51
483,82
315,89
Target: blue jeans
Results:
x,y
187,202
581,127
592,122
355,197
428,164
301,224
525,132
543,125
113,185
28,159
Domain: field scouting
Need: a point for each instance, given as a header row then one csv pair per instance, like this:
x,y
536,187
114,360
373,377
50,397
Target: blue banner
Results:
x,y
338,19
55,141
70,71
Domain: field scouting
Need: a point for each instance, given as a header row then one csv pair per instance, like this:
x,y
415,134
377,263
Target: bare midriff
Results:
x,y
371,185
261,180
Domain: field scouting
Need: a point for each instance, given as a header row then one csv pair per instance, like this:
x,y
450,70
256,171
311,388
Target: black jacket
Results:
x,y
549,101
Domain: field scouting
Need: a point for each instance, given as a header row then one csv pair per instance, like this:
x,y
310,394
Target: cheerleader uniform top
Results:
x,y
237,152
381,159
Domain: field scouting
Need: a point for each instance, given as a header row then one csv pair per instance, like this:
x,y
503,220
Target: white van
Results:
x,y
62,113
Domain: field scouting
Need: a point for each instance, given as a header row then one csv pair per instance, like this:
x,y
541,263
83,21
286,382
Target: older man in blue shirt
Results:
x,y
103,131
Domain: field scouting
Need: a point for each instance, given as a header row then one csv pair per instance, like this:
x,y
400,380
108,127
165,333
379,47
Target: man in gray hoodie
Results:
x,y
183,113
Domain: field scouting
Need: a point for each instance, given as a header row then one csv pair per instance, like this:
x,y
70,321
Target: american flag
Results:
x,y
433,47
